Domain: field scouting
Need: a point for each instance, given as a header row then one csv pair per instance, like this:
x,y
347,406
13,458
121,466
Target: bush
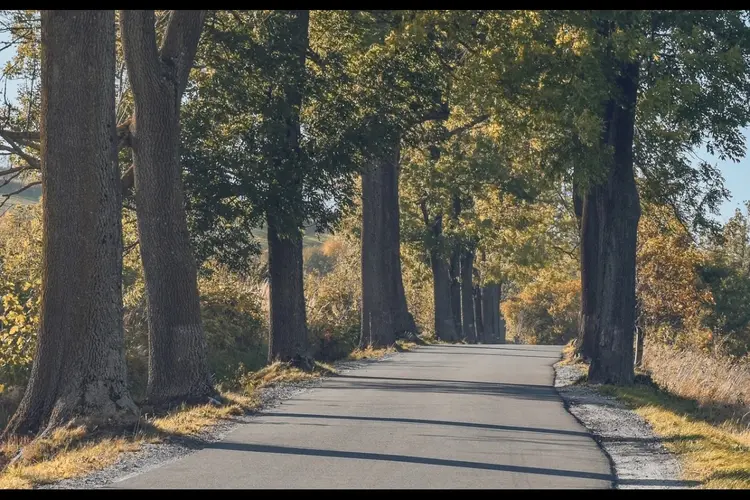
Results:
x,y
546,310
333,293
20,290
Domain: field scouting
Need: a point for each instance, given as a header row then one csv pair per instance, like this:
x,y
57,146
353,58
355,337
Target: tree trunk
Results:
x,y
178,368
445,328
79,364
384,310
467,295
403,321
455,272
491,313
288,336
455,275
590,227
618,210
478,319
639,348
377,320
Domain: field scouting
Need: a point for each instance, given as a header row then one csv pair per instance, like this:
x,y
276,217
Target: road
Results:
x,y
444,416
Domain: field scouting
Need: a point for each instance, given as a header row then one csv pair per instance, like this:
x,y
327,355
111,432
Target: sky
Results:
x,y
736,175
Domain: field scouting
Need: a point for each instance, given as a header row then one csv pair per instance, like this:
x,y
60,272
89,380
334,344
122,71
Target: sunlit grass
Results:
x,y
717,454
75,452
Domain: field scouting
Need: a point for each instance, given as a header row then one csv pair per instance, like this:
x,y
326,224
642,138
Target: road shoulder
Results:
x,y
153,455
638,458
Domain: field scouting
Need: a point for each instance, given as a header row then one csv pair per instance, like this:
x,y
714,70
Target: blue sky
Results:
x,y
736,175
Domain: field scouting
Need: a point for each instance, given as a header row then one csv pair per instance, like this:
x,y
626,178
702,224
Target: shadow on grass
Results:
x,y
646,392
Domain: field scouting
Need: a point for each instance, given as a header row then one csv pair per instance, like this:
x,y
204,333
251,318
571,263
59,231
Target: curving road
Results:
x,y
464,416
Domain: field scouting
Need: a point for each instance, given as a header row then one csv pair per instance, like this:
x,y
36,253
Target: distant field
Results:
x,y
310,240
33,195
28,197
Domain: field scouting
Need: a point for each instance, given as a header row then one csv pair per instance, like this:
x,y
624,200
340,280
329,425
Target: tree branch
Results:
x,y
473,123
139,46
128,180
7,196
16,149
181,42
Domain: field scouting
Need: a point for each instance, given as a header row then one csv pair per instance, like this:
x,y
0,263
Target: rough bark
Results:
x,y
445,328
478,319
491,313
79,364
639,345
455,272
377,319
288,335
467,295
589,248
403,321
618,210
178,368
288,321
385,314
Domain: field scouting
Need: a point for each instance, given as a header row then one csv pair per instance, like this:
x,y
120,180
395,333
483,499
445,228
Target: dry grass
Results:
x,y
74,452
370,353
715,382
695,403
568,354
380,352
717,454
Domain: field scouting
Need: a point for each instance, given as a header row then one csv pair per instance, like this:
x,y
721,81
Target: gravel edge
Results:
x,y
150,456
637,457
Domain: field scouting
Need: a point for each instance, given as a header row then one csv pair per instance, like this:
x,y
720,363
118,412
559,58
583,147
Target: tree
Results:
x,y
178,370
288,334
79,364
662,101
271,140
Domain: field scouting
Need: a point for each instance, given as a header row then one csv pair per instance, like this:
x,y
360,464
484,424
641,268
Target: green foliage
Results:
x,y
20,290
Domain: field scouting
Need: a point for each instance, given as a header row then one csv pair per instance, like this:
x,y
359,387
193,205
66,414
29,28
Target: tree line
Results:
x,y
434,128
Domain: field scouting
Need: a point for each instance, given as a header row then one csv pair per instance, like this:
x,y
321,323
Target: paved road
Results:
x,y
483,416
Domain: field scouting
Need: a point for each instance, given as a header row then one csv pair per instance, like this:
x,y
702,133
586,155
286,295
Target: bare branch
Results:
x,y
181,42
7,196
16,149
128,248
19,136
128,180
473,123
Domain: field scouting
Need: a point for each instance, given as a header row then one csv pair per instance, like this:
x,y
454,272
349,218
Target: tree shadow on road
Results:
x,y
421,421
310,452
518,391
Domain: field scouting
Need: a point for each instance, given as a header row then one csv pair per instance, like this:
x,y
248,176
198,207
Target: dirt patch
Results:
x,y
639,459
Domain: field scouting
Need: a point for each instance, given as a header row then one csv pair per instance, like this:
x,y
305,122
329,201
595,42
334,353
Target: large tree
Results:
x,y
665,97
79,364
269,142
178,368
288,334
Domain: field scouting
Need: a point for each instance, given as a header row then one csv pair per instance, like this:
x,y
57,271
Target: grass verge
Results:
x,y
712,451
76,451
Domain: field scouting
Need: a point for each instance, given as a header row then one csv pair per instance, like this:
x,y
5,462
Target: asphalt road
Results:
x,y
468,416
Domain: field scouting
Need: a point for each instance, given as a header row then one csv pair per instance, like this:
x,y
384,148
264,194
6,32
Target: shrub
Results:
x,y
333,296
546,310
20,290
